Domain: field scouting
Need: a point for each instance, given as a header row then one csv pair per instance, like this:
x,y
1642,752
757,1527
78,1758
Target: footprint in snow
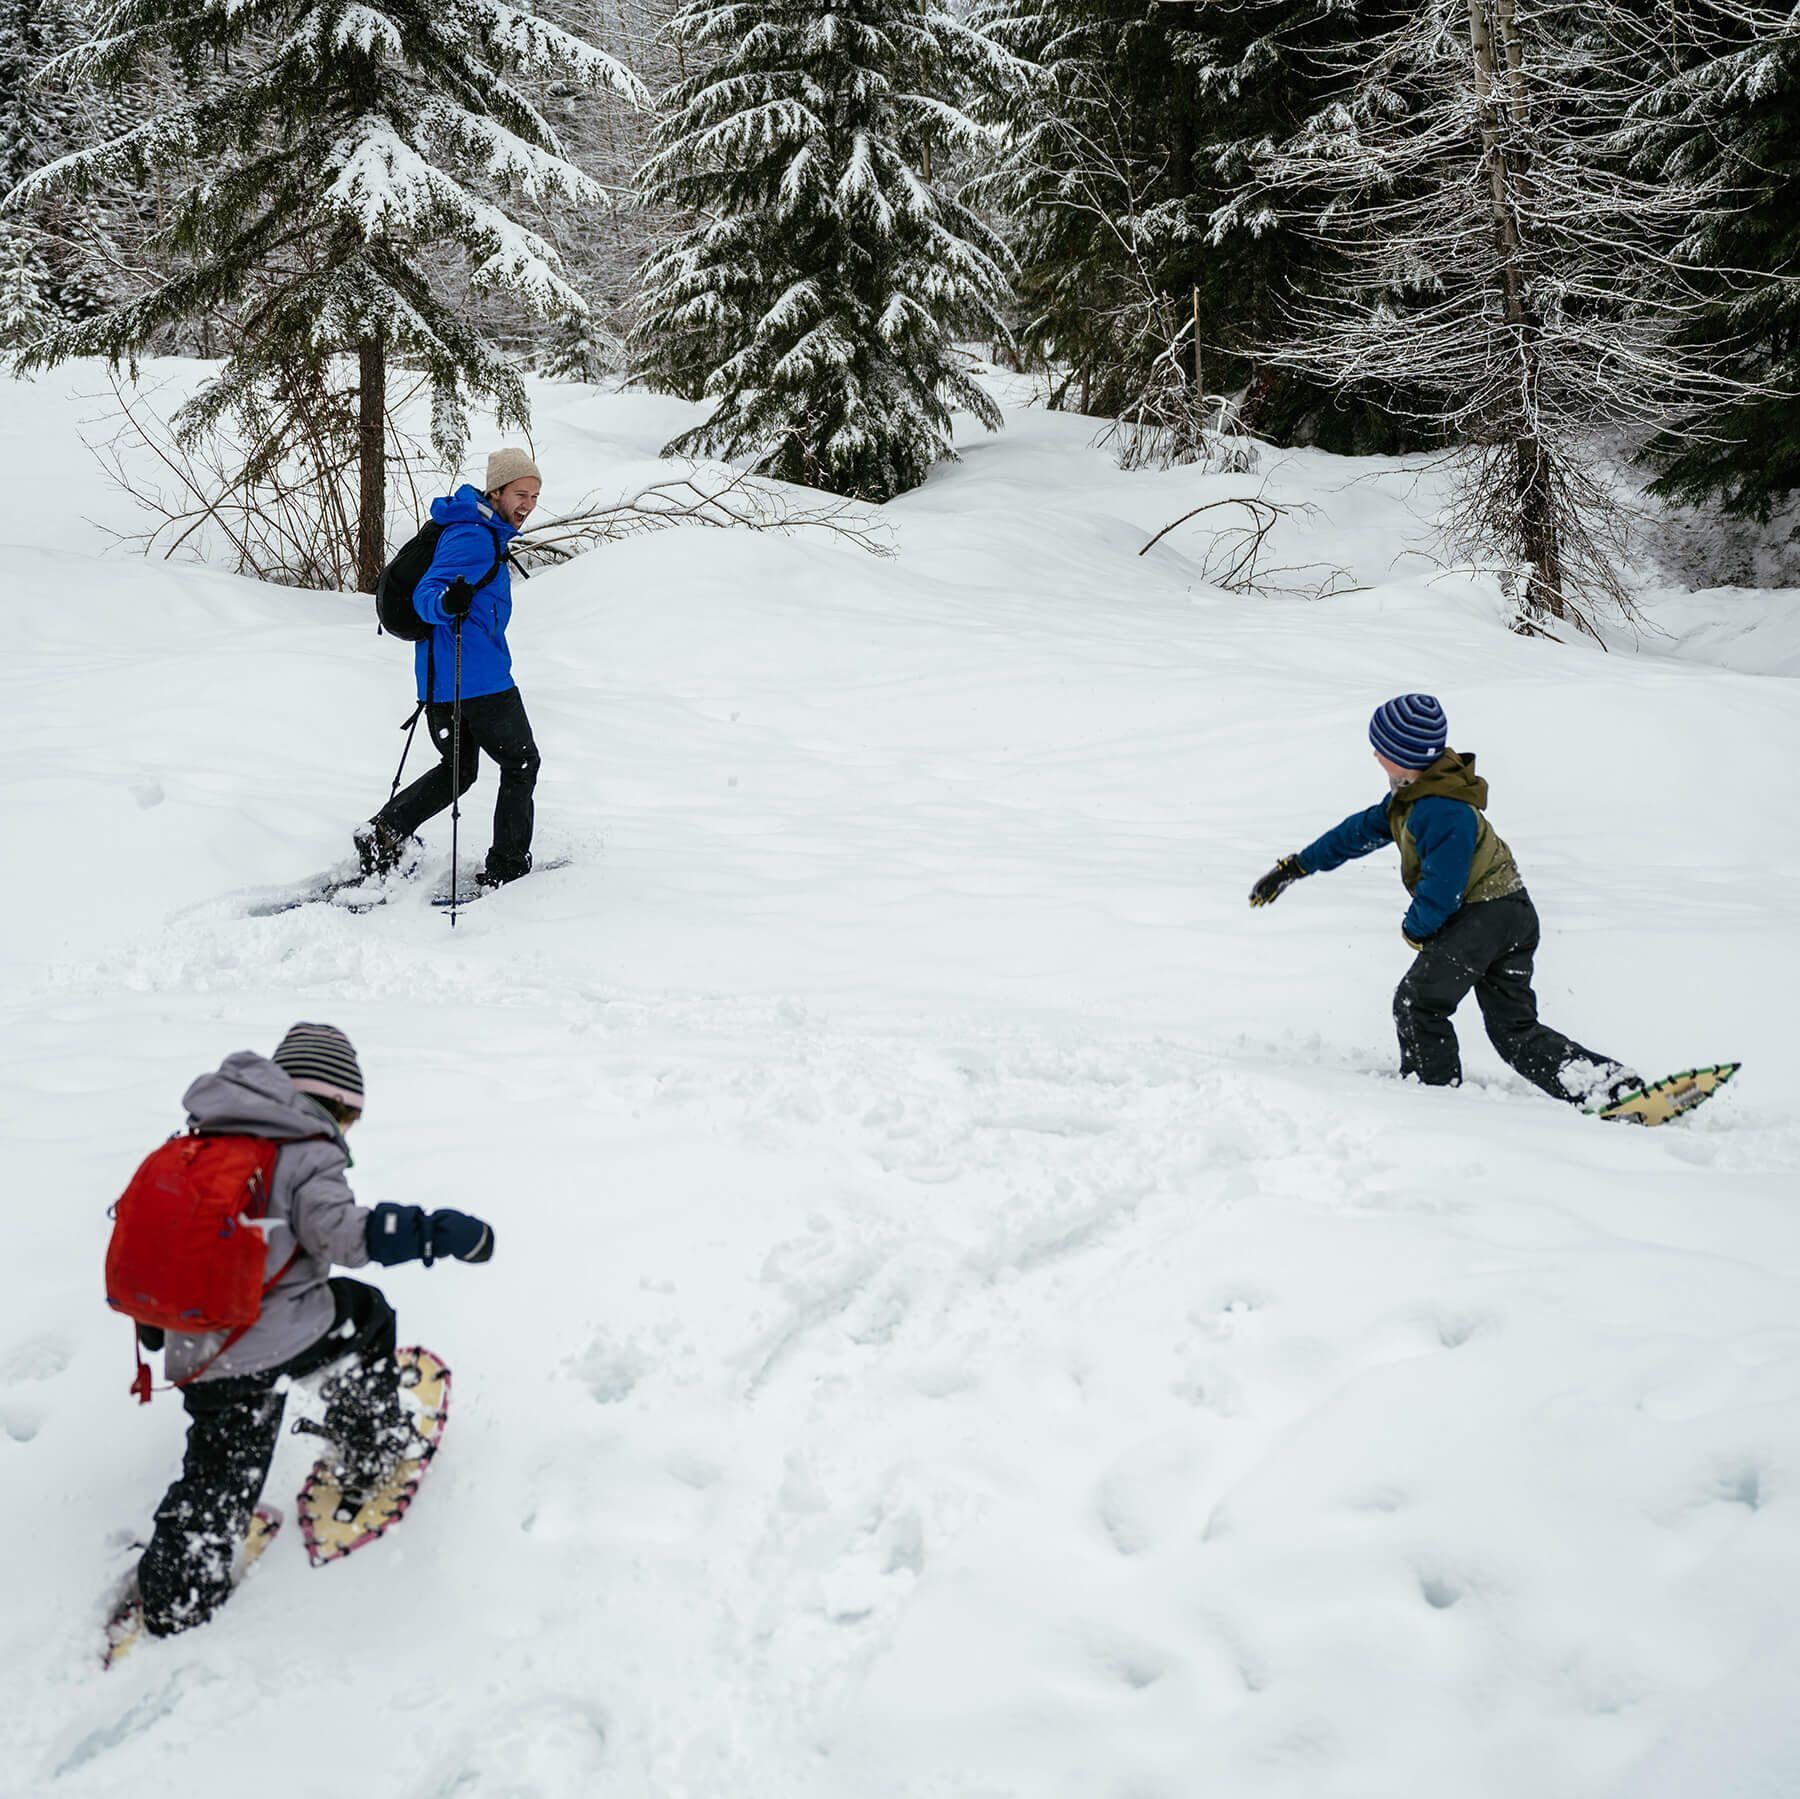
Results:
x,y
34,1359
19,1422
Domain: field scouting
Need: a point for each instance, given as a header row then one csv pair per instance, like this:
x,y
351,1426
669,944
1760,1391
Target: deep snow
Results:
x,y
973,1318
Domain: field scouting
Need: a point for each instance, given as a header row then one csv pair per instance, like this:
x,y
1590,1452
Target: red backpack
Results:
x,y
188,1248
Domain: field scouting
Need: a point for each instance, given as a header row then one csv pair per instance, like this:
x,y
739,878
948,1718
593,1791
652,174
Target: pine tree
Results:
x,y
1735,116
324,154
34,127
818,298
1148,253
25,312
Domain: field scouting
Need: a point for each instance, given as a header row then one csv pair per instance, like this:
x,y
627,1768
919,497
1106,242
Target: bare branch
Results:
x,y
713,497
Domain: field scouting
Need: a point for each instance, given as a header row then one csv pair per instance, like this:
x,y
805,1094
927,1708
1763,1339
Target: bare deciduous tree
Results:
x,y
1510,258
273,489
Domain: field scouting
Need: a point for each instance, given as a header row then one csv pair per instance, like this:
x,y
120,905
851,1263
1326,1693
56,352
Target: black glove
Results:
x,y
1412,942
411,1234
1277,881
459,596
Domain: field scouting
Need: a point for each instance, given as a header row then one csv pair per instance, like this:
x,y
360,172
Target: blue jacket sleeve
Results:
x,y
463,549
1359,835
1444,831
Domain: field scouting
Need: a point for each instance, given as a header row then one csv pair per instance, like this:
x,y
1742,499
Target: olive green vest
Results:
x,y
1492,871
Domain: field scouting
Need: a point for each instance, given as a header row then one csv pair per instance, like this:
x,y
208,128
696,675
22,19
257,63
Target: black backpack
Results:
x,y
394,609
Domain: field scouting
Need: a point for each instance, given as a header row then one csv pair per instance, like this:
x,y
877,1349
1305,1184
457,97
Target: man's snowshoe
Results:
x,y
126,1624
471,887
338,1517
345,886
1669,1098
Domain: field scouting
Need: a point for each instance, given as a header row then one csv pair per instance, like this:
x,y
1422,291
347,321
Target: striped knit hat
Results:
x,y
1410,730
318,1058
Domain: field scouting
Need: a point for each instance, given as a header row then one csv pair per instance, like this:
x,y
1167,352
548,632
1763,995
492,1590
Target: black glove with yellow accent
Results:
x,y
1412,942
1277,881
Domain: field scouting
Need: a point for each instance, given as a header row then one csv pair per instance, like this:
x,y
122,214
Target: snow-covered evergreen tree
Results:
x,y
25,311
1734,115
819,297
322,157
1131,191
41,277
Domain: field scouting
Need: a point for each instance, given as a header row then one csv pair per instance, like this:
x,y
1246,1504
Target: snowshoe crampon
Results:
x,y
126,1624
1671,1097
334,1522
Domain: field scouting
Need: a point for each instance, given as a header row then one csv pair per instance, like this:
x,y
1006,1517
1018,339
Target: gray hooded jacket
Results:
x,y
311,1204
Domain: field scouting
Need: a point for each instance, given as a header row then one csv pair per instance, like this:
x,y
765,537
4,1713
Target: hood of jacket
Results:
x,y
249,1096
1452,777
469,506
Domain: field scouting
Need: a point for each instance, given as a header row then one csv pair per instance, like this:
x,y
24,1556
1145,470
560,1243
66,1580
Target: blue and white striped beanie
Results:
x,y
1410,730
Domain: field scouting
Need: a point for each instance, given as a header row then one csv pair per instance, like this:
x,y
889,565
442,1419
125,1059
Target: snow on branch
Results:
x,y
535,43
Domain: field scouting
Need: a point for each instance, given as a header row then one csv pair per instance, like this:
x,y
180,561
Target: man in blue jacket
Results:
x,y
1471,920
469,585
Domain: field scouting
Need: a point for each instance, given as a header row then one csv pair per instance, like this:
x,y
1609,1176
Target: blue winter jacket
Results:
x,y
1444,830
474,534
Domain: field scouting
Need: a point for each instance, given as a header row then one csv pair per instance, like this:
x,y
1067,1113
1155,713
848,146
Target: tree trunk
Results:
x,y
1534,493
371,430
1538,532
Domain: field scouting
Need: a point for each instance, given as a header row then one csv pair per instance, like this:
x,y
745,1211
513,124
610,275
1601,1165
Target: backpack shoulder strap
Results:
x,y
500,556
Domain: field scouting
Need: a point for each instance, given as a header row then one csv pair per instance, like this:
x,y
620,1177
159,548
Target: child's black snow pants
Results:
x,y
1489,946
186,1572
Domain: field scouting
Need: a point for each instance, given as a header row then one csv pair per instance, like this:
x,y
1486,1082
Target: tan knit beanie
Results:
x,y
506,466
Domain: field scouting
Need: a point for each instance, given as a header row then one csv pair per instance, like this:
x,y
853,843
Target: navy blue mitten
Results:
x,y
457,1234
411,1234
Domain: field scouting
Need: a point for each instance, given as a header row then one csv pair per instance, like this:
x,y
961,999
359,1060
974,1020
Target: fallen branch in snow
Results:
x,y
1234,560
722,500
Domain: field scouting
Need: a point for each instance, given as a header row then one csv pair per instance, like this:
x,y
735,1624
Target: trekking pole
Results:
x,y
410,728
455,768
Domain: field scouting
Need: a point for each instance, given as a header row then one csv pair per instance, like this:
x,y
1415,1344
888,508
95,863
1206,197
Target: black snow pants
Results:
x,y
496,723
186,1572
1488,946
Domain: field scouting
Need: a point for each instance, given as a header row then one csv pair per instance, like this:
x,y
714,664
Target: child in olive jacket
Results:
x,y
1471,920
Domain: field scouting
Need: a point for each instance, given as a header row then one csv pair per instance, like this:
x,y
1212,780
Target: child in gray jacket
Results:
x,y
304,1098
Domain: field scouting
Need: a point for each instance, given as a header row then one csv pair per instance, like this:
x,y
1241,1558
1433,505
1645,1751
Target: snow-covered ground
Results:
x,y
973,1318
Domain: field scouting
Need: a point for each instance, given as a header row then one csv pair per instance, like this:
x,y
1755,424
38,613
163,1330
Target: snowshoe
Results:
x,y
471,887
345,886
125,1626
342,1511
1669,1098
